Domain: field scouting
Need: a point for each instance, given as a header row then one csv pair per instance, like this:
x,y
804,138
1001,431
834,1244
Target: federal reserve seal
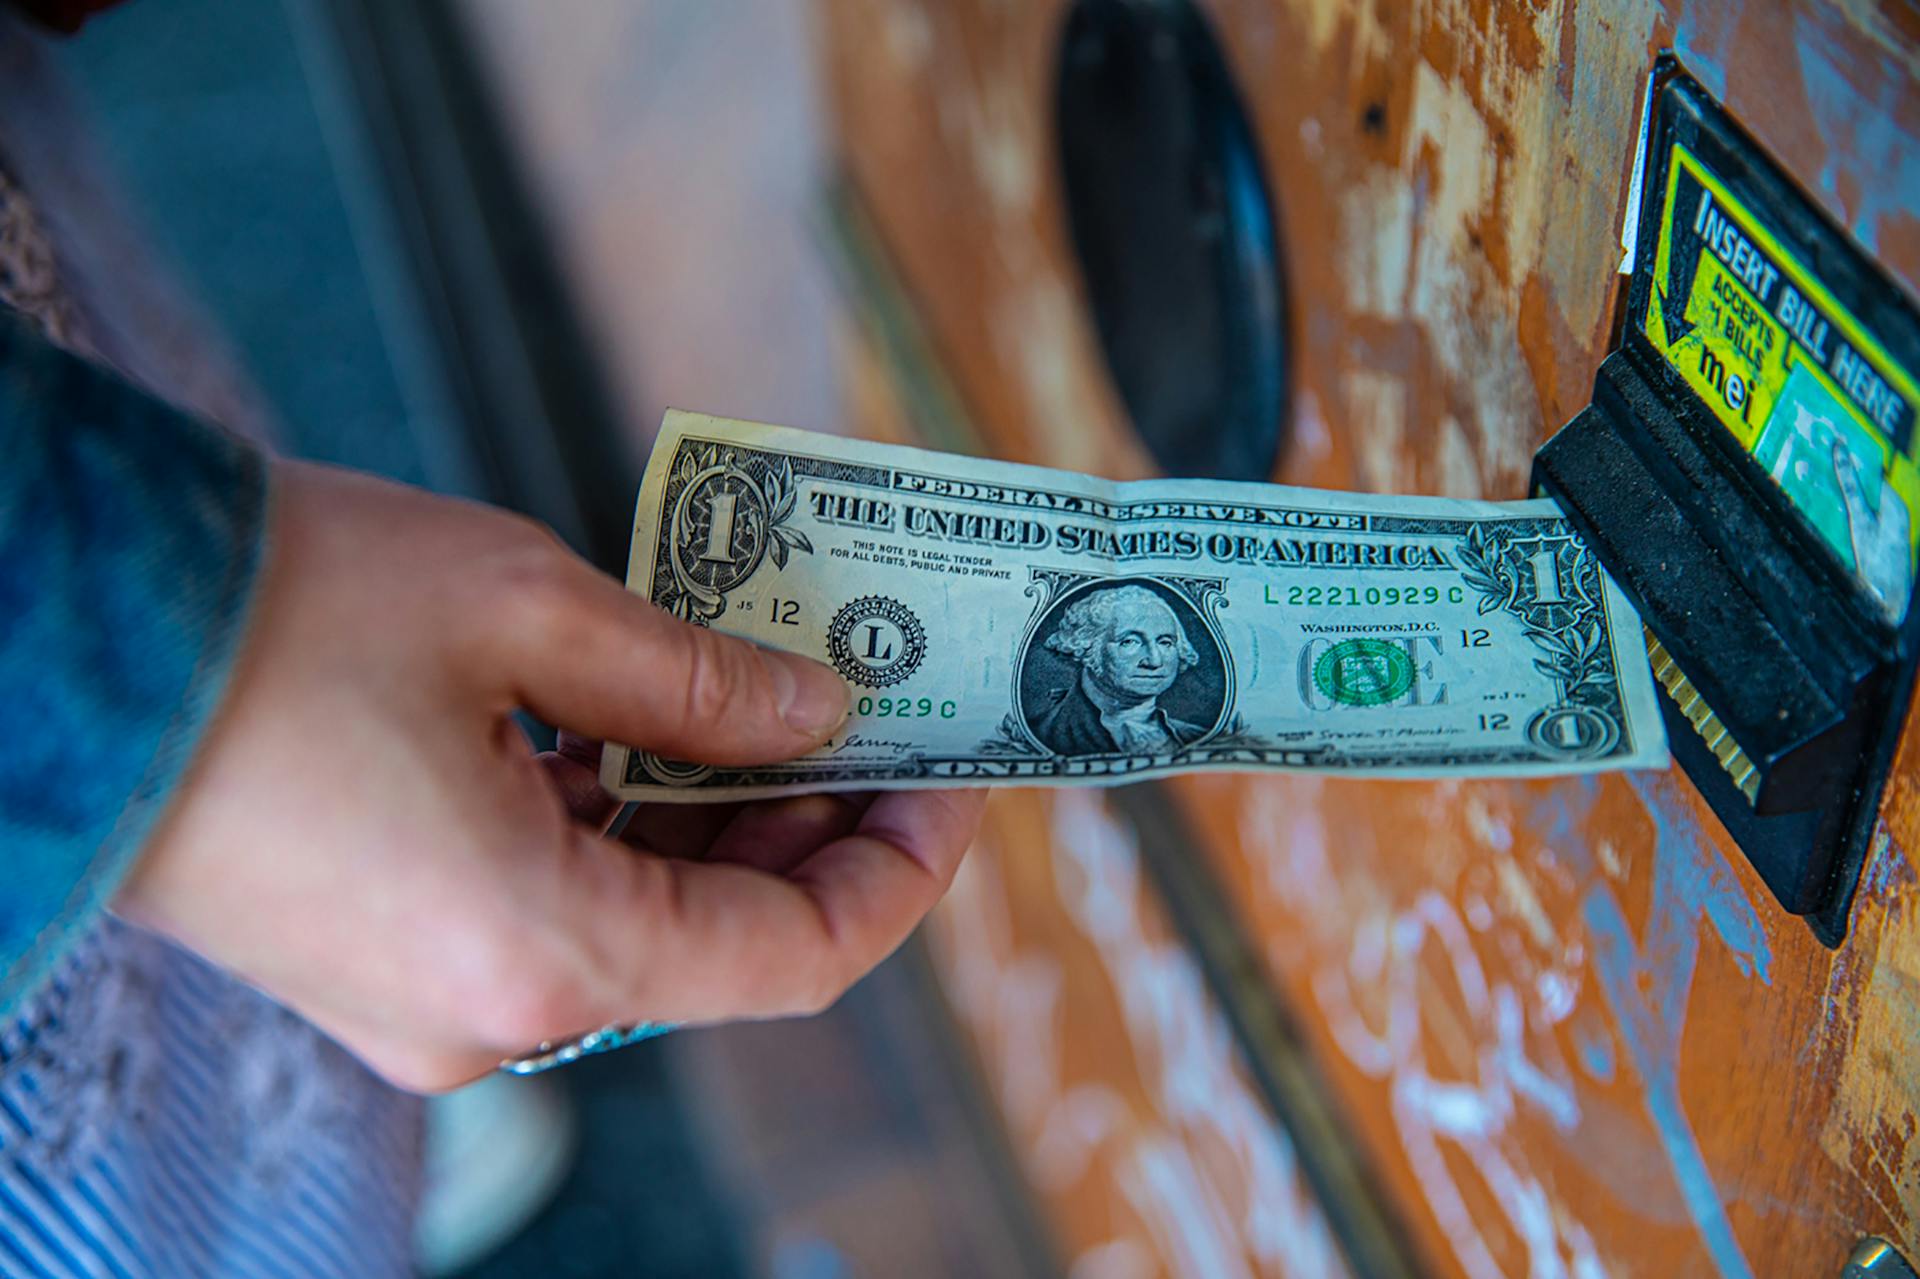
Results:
x,y
1364,672
876,642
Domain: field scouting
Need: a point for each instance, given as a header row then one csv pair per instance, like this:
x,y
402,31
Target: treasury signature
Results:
x,y
854,741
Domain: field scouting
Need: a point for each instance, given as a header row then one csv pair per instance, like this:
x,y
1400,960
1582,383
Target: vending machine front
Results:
x,y
1656,1023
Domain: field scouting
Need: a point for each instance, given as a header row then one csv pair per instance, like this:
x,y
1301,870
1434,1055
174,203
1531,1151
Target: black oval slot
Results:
x,y
1176,235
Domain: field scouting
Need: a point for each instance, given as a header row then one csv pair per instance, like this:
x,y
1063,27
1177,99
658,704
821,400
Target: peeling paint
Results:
x,y
1871,1127
1859,135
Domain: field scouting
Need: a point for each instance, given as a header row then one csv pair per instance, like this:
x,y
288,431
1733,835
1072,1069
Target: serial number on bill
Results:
x,y
1362,596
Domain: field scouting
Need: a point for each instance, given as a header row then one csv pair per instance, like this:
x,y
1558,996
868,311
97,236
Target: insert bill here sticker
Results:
x,y
1794,375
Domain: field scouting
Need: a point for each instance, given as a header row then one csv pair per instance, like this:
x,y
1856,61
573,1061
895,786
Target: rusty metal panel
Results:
x,y
1565,1022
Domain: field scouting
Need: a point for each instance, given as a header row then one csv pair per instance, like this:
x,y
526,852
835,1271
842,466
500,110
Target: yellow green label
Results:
x,y
1795,376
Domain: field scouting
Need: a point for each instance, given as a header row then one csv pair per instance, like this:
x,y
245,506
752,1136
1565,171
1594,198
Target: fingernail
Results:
x,y
812,698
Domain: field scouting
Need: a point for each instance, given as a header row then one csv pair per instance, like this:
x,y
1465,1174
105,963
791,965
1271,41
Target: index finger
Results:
x,y
701,941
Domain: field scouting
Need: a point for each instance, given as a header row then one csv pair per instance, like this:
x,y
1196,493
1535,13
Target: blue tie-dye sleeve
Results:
x,y
130,538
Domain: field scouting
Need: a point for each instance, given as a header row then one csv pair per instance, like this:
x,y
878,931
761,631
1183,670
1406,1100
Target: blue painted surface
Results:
x,y
1651,1037
1854,98
1866,135
1692,880
1701,40
1647,981
1692,877
1595,1047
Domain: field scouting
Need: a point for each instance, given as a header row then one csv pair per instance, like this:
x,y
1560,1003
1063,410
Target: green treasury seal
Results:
x,y
1364,672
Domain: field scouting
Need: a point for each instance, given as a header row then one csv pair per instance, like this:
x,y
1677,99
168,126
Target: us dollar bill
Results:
x,y
1005,624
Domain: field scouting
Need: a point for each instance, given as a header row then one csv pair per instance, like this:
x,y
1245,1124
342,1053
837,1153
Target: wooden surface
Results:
x,y
1567,1023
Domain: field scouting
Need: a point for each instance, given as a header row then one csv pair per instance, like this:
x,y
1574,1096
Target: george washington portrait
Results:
x,y
1114,669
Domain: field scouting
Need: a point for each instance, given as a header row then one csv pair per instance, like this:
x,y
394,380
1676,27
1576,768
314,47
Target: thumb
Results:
x,y
602,662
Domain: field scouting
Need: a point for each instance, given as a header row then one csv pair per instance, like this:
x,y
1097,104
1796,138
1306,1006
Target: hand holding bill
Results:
x,y
435,897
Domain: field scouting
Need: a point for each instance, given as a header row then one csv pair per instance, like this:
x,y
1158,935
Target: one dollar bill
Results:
x,y
1007,624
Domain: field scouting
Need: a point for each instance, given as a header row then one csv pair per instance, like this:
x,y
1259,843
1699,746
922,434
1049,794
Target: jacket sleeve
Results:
x,y
130,539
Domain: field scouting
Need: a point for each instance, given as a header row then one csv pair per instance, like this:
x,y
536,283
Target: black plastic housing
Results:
x,y
1791,653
